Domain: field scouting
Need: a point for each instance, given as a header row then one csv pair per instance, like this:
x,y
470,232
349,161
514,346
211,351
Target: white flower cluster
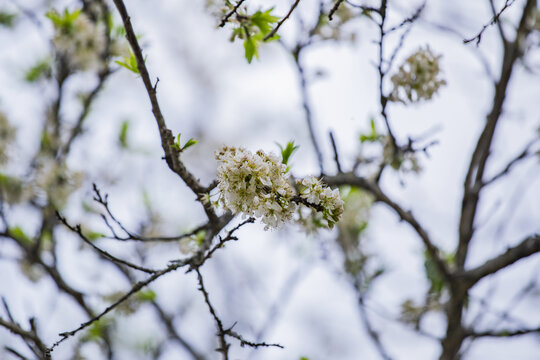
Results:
x,y
418,78
255,185
258,185
81,41
328,204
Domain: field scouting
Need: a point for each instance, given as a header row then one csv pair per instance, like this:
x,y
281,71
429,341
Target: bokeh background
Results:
x,y
283,286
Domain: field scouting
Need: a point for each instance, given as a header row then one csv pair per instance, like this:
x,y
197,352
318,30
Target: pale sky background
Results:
x,y
209,92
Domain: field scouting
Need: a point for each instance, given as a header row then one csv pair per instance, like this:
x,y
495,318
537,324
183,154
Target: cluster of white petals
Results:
x,y
418,78
258,185
328,204
82,42
255,185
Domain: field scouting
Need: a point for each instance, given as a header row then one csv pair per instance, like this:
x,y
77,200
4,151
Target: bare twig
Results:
x,y
167,139
135,288
27,335
373,334
474,181
494,20
336,153
334,9
307,108
521,156
222,241
167,320
244,342
230,13
407,216
77,229
408,20
502,333
103,199
223,345
274,31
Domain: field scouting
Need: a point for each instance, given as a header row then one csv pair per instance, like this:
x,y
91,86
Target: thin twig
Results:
x,y
407,216
222,241
135,288
494,20
336,153
167,139
521,156
274,31
223,345
77,229
27,336
334,9
307,107
230,13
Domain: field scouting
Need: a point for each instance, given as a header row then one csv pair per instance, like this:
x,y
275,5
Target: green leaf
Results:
x,y
262,20
7,19
373,135
146,295
41,70
96,331
123,136
18,234
199,237
178,146
433,274
129,63
189,143
65,20
286,152
251,48
93,235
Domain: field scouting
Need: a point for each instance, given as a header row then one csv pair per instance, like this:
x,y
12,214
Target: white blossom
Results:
x,y
418,78
81,41
329,204
258,185
255,185
188,245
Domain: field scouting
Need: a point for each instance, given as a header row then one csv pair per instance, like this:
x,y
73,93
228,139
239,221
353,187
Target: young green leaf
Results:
x,y
146,295
18,234
189,143
287,151
251,48
178,146
7,19
123,136
373,135
41,70
129,63
262,20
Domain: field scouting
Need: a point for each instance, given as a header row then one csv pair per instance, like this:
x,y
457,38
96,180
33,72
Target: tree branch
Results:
x,y
474,179
167,139
77,229
527,247
501,333
138,286
307,108
407,216
27,335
